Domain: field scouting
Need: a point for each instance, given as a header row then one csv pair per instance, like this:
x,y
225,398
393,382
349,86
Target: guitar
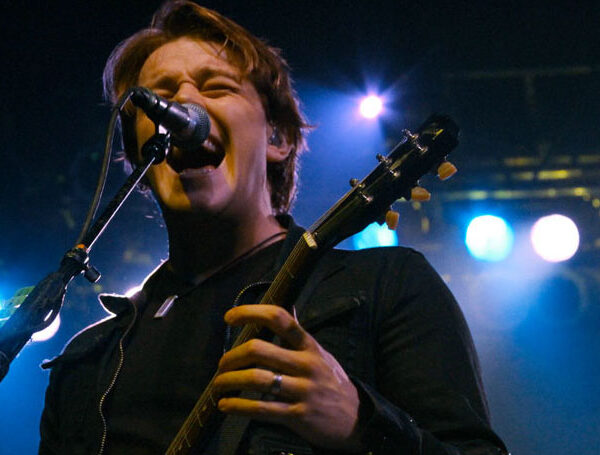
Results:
x,y
367,201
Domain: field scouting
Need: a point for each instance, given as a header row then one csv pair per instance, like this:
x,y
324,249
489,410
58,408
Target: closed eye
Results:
x,y
218,90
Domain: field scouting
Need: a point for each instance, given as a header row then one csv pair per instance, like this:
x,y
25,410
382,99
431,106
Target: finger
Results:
x,y
419,194
267,355
269,411
258,379
446,170
275,318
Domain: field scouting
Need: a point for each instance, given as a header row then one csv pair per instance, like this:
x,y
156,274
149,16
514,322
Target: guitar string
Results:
x,y
247,333
208,392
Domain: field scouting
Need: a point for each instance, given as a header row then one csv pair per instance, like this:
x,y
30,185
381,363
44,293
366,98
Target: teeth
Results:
x,y
209,154
210,145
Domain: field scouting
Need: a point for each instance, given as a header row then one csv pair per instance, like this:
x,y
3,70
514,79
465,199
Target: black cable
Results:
x,y
110,134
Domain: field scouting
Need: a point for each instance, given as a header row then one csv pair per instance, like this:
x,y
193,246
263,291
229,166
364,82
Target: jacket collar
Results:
x,y
114,303
118,304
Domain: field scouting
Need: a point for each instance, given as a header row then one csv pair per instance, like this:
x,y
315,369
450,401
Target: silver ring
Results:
x,y
275,388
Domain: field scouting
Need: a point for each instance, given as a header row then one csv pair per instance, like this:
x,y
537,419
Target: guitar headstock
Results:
x,y
397,173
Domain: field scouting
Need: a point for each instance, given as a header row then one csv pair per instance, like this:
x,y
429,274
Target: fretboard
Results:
x,y
281,292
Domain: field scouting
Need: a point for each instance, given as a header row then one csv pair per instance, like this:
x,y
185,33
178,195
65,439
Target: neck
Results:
x,y
200,247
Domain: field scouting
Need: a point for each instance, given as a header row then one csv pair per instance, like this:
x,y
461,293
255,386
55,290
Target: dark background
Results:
x,y
522,80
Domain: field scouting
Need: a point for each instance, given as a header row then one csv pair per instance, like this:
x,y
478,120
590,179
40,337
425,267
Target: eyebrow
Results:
x,y
164,78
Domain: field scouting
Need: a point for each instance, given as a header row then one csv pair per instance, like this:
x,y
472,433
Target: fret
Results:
x,y
269,300
199,419
212,400
289,272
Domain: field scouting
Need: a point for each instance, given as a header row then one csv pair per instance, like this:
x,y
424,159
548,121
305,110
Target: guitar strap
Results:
x,y
233,429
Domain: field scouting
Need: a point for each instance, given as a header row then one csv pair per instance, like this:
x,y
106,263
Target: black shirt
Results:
x,y
169,361
384,314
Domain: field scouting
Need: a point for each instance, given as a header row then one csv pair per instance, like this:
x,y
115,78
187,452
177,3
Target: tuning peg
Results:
x,y
391,219
383,159
418,193
353,182
446,170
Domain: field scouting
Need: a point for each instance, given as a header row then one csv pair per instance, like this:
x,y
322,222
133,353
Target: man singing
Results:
x,y
377,357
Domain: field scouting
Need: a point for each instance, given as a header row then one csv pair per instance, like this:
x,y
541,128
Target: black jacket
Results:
x,y
383,313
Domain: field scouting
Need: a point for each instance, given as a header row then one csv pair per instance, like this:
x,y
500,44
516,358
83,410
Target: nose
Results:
x,y
188,93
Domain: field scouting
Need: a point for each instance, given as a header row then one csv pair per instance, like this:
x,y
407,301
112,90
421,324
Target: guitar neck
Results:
x,y
281,292
367,201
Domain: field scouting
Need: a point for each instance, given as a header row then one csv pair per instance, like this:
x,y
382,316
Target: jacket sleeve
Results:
x,y
428,398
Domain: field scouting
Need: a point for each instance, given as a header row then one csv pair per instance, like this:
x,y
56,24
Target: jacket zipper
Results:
x,y
122,359
114,381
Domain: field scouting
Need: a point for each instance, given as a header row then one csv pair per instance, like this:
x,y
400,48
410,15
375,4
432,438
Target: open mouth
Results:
x,y
209,154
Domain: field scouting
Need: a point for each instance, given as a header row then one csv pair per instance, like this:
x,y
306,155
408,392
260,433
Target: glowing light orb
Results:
x,y
48,332
371,106
375,235
489,238
555,238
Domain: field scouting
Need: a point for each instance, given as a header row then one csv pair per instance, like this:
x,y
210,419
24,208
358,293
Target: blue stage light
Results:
x,y
555,238
489,238
371,106
375,235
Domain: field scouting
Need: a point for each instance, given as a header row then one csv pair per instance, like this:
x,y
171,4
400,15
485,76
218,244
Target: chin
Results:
x,y
194,203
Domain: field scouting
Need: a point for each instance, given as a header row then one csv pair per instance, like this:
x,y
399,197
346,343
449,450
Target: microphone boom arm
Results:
x,y
44,302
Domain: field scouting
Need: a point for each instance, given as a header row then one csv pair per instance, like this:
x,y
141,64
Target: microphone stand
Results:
x,y
44,302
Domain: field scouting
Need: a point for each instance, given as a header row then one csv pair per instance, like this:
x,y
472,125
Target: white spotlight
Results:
x,y
371,106
555,238
48,332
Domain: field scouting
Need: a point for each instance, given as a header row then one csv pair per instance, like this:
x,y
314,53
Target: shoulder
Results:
x,y
380,267
377,277
388,279
382,256
95,335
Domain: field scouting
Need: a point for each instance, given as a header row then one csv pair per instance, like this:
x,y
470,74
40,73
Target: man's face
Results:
x,y
227,176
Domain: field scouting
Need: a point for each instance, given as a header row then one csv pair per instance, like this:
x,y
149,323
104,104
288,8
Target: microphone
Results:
x,y
188,123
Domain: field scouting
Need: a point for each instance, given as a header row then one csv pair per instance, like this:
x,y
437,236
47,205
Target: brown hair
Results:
x,y
261,64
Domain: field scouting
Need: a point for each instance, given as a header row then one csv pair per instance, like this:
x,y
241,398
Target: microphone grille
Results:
x,y
202,127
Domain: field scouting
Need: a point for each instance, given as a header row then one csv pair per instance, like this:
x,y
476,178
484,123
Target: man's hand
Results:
x,y
313,396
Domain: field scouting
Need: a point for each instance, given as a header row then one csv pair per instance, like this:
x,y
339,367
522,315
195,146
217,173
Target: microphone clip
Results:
x,y
157,146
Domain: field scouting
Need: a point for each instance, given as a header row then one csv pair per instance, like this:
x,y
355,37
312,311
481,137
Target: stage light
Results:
x,y
555,238
48,332
489,238
375,235
371,106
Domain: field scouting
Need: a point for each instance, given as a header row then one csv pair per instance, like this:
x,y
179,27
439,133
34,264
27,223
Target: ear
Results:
x,y
278,147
